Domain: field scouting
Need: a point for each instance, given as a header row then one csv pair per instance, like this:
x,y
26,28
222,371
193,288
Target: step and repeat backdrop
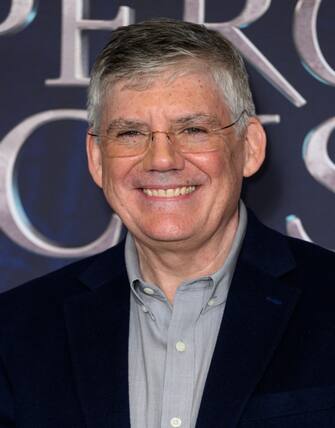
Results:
x,y
51,213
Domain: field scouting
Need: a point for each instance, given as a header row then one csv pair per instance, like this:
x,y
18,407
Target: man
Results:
x,y
203,317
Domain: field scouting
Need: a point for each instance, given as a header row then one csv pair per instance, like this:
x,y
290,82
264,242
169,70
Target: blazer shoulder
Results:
x,y
298,263
314,274
313,258
49,291
272,246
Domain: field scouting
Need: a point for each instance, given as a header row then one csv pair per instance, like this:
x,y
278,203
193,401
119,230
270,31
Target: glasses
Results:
x,y
196,137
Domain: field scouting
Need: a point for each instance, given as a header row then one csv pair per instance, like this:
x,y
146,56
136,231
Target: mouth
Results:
x,y
169,193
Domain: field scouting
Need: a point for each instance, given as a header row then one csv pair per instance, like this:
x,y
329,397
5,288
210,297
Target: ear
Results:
x,y
255,145
93,151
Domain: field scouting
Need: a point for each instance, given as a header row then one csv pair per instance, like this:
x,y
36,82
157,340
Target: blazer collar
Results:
x,y
105,267
266,249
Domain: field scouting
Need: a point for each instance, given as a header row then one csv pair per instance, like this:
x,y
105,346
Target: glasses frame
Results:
x,y
150,134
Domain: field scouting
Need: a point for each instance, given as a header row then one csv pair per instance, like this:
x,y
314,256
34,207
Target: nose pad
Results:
x,y
161,154
166,133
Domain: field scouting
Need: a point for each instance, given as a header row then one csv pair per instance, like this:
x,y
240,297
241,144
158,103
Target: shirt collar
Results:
x,y
220,279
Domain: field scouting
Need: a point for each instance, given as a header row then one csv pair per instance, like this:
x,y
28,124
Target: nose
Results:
x,y
162,155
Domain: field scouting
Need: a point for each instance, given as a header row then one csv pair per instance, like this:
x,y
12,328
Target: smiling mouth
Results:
x,y
168,193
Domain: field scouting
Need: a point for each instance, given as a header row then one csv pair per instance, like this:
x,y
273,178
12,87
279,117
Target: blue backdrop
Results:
x,y
45,190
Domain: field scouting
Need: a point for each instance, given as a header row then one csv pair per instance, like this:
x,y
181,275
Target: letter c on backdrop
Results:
x,y
13,219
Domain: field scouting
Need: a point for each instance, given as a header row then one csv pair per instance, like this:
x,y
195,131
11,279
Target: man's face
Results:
x,y
205,186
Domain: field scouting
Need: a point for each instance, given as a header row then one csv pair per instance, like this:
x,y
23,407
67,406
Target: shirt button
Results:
x,y
181,347
175,422
211,302
148,290
145,309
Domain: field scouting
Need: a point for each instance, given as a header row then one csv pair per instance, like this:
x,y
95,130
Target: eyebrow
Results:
x,y
125,123
198,117
209,119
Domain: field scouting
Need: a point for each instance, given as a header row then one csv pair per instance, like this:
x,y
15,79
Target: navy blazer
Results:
x,y
64,343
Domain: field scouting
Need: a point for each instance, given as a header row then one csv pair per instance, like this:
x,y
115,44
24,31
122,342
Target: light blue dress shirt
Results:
x,y
171,347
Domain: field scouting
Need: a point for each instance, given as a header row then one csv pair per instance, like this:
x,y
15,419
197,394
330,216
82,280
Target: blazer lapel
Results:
x,y
98,325
258,308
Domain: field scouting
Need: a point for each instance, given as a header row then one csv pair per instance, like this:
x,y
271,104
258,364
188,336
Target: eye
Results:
x,y
195,130
128,133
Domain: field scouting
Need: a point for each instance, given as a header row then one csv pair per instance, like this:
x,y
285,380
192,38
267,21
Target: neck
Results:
x,y
169,266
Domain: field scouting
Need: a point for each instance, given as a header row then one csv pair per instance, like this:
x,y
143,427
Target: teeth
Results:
x,y
168,193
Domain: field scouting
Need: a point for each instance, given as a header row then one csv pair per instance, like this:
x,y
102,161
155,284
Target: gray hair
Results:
x,y
142,51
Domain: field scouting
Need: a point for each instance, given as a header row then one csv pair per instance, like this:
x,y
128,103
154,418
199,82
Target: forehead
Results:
x,y
170,95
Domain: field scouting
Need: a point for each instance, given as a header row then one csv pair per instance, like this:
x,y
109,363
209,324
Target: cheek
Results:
x,y
223,166
117,179
111,177
115,172
233,161
108,178
225,172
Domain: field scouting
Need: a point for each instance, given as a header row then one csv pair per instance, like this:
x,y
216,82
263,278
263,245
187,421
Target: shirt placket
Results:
x,y
180,361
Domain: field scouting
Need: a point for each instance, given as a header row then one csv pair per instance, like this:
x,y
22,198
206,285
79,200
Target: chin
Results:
x,y
166,232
